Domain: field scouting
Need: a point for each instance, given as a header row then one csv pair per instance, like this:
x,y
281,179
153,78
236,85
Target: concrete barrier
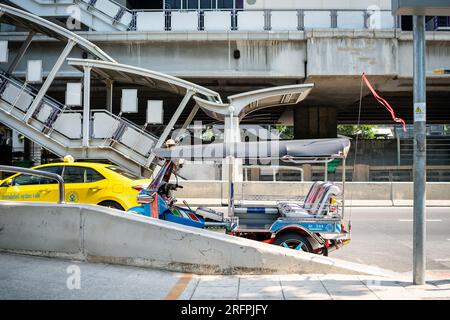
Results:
x,y
357,191
98,234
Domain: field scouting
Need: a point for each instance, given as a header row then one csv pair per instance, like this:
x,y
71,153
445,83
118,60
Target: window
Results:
x,y
55,169
208,4
73,174
225,4
124,173
204,4
93,176
26,180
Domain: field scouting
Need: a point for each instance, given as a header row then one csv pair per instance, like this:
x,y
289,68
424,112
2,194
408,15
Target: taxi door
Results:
x,y
83,184
25,187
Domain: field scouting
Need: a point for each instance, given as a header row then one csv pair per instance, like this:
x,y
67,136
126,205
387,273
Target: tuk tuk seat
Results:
x,y
314,206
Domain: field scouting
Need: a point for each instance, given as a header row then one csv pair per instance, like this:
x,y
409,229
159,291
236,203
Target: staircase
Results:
x,y
59,128
98,15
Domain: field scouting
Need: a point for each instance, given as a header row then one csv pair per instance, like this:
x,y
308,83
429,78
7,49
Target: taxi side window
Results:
x,y
73,174
28,180
25,180
93,176
55,169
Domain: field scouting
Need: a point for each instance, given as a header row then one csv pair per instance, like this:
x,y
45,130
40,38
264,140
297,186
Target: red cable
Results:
x,y
384,103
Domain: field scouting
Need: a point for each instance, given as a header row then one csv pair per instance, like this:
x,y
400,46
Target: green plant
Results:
x,y
286,131
364,132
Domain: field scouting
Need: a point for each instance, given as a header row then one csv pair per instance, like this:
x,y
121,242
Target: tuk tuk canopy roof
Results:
x,y
287,150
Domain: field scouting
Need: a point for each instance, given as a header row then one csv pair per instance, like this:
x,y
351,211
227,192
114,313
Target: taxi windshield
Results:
x,y
124,173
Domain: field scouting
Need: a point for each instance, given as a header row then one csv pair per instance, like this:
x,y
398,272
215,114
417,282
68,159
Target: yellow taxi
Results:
x,y
92,183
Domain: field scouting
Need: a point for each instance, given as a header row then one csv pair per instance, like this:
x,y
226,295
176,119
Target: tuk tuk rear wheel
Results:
x,y
294,241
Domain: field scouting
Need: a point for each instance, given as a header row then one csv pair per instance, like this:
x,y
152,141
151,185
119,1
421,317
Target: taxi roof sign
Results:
x,y
69,159
421,7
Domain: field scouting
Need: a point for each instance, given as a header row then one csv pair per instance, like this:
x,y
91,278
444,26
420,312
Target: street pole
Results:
x,y
419,236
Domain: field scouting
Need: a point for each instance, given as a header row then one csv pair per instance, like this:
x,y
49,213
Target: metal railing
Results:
x,y
54,176
106,8
125,137
20,96
260,20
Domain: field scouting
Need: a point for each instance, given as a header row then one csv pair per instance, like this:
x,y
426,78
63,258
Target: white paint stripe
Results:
x,y
428,220
442,260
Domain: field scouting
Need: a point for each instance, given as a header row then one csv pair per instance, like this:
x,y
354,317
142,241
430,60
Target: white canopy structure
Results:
x,y
241,105
35,24
131,74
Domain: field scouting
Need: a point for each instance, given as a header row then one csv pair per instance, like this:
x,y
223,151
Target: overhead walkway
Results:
x,y
63,130
59,129
85,133
98,15
95,134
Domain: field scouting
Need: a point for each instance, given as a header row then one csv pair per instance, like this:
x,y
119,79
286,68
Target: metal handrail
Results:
x,y
32,91
54,176
127,122
334,13
122,9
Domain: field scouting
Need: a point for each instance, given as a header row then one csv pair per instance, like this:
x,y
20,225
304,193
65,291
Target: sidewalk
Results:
x,y
28,277
312,287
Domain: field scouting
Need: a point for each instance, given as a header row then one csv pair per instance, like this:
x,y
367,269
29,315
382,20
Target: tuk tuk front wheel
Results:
x,y
294,241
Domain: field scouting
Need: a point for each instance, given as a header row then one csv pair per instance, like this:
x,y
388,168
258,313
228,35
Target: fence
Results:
x,y
260,20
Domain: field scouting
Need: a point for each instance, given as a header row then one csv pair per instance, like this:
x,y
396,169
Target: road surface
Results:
x,y
383,237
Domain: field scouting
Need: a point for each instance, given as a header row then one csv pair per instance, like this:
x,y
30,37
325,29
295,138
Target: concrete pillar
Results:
x,y
109,94
307,172
361,172
86,106
254,174
232,134
315,122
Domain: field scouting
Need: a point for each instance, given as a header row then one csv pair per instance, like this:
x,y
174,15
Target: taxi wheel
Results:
x,y
111,204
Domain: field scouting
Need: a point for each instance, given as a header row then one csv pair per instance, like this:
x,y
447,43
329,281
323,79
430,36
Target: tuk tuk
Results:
x,y
313,224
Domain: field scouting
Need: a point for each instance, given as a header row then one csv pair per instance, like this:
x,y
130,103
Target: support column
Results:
x,y
188,121
51,76
420,151
21,52
232,135
86,106
315,122
171,124
109,94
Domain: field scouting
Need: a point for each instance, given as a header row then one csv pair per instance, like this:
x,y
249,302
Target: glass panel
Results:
x,y
73,175
123,172
92,175
26,180
207,4
55,169
317,19
225,4
350,19
192,4
173,4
